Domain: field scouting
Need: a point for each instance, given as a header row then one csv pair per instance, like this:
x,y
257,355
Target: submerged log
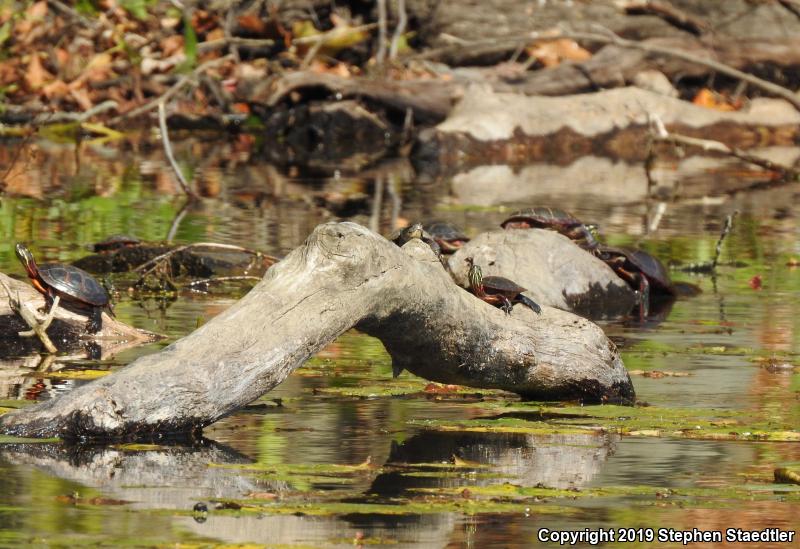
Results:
x,y
343,276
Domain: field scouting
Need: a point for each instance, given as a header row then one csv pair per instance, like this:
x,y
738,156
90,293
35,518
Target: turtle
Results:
x,y
497,290
542,217
641,270
115,242
415,230
449,237
76,287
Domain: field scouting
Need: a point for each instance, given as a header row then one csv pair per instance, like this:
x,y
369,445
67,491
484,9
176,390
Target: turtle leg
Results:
x,y
506,304
528,302
644,292
95,322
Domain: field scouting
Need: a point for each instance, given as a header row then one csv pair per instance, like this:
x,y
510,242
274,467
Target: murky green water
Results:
x,y
328,458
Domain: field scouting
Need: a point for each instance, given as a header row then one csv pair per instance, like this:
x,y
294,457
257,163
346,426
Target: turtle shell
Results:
x,y
445,231
543,217
72,282
652,268
641,261
500,284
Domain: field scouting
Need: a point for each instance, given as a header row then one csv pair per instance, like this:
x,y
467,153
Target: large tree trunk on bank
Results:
x,y
343,276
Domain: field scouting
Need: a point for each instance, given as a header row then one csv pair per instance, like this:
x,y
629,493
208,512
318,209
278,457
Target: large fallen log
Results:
x,y
343,276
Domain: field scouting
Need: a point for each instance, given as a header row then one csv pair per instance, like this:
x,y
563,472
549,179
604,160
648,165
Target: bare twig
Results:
x,y
176,222
194,283
380,55
711,266
38,325
178,86
234,42
400,29
662,135
669,13
162,124
725,232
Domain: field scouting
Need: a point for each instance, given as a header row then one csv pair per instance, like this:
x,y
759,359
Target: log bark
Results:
x,y
343,276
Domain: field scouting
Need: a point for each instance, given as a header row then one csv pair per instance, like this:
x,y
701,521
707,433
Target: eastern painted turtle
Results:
x,y
415,230
541,217
497,290
449,237
640,270
115,242
76,287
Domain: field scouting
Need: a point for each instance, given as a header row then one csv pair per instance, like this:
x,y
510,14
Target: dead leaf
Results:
x,y
37,10
252,24
171,45
81,97
56,89
36,75
713,100
552,53
755,282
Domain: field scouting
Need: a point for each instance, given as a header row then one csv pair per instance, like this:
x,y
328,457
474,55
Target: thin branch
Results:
x,y
162,124
233,42
669,13
28,315
710,267
380,55
400,29
194,283
725,232
178,86
176,222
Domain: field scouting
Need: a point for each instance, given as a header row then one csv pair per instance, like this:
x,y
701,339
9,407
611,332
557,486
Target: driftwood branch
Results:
x,y
344,276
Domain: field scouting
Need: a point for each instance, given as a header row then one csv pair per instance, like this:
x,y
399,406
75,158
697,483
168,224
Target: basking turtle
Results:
x,y
415,230
497,290
642,271
76,287
115,242
563,222
449,237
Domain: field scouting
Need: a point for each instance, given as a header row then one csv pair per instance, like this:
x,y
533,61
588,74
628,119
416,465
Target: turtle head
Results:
x,y
26,258
475,276
413,231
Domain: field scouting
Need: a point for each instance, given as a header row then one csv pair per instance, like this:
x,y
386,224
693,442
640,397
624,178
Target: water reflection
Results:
x,y
713,338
